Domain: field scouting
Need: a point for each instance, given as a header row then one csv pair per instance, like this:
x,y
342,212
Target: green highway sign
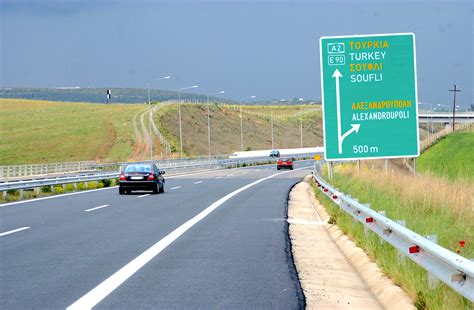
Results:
x,y
369,96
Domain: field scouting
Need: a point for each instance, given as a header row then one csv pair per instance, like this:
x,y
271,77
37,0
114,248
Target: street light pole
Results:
x,y
149,127
271,118
301,123
241,124
209,122
180,123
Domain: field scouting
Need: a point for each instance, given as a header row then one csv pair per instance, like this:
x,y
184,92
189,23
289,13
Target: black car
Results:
x,y
141,177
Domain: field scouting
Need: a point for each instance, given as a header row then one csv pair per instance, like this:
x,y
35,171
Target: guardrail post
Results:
x,y
37,190
22,193
401,256
366,226
329,170
433,281
4,194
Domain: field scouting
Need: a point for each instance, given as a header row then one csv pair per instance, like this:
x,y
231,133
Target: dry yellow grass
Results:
x,y
431,205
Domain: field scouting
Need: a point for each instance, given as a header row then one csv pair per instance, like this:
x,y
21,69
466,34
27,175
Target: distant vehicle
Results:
x,y
141,177
274,153
286,163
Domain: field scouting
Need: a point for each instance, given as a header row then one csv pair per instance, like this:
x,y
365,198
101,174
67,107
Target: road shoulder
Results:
x,y
333,271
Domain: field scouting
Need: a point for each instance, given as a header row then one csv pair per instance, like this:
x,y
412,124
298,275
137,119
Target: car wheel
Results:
x,y
121,190
128,191
156,189
278,168
291,168
162,188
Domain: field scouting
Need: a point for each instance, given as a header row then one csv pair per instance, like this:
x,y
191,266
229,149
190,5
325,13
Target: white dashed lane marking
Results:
x,y
197,182
176,187
99,207
141,196
13,231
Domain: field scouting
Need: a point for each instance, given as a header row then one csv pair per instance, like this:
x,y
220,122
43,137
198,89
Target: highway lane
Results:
x,y
68,251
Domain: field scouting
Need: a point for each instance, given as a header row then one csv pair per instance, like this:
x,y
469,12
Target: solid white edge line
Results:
x,y
97,294
141,196
112,187
13,231
99,207
56,196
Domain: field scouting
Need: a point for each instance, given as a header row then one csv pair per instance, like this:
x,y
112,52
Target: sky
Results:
x,y
266,48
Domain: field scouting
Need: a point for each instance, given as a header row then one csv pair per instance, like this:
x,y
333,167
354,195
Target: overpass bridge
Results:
x,y
445,118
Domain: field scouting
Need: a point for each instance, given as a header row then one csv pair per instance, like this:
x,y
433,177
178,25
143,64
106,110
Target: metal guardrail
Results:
x,y
451,268
171,167
17,171
42,170
28,184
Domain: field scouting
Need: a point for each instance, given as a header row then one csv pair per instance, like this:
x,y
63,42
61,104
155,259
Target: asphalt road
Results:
x,y
212,240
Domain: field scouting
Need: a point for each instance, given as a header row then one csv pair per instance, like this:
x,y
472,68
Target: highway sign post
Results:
x,y
369,95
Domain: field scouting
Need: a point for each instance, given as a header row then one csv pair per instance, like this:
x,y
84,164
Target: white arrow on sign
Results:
x,y
355,127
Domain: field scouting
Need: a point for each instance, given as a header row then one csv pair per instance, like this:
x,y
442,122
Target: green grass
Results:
x,y
452,157
44,132
426,209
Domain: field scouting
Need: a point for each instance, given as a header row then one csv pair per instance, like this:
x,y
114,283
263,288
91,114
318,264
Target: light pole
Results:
x,y
271,118
179,113
150,136
301,123
241,123
209,122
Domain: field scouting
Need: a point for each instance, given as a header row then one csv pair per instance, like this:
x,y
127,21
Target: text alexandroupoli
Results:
x,y
399,110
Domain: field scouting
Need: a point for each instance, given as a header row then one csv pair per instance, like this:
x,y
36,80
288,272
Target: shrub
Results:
x,y
29,195
13,192
46,189
58,189
70,188
106,182
93,184
81,186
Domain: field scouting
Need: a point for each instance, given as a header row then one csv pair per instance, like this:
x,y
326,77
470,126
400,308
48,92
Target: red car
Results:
x,y
285,163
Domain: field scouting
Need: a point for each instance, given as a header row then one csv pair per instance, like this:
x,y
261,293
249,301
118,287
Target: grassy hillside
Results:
x,y
225,127
44,132
452,157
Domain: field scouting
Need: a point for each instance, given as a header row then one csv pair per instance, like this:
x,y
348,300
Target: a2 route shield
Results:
x,y
369,96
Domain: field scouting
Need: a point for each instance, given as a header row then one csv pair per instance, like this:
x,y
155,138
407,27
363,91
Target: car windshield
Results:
x,y
137,168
